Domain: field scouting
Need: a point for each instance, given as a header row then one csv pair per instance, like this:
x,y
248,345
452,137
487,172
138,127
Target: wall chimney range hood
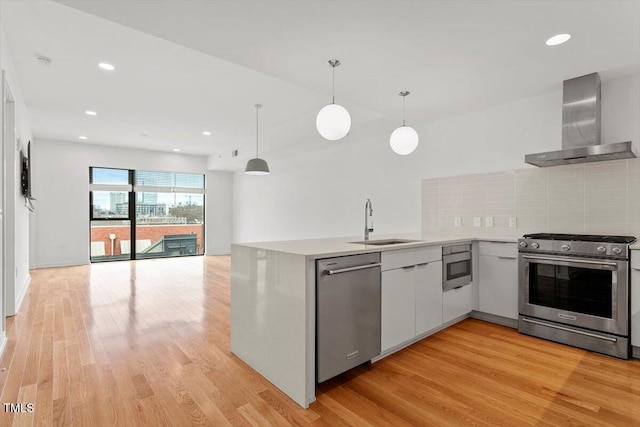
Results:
x,y
581,128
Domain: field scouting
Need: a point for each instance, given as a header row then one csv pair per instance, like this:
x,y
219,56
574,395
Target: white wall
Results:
x,y
16,215
219,213
321,193
60,172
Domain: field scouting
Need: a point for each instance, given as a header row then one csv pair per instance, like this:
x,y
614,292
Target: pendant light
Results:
x,y
333,121
257,166
404,139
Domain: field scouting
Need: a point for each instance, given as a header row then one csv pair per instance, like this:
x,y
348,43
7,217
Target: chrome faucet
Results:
x,y
368,229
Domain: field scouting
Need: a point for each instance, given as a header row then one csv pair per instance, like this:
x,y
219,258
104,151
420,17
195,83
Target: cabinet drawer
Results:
x,y
506,249
635,258
457,302
406,257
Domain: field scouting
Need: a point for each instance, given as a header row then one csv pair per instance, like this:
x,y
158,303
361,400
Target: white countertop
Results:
x,y
338,246
635,246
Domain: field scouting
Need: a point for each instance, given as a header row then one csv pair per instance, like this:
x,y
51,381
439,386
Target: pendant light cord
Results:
x,y
257,109
333,63
333,90
403,110
403,94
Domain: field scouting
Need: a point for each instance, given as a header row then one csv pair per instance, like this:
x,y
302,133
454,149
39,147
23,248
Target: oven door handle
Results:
x,y
588,334
603,264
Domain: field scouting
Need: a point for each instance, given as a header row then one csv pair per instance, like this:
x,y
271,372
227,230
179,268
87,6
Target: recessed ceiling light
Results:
x,y
106,66
91,113
176,149
558,39
206,133
82,137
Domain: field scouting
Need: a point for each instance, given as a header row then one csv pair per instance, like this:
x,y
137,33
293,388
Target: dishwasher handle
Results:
x,y
357,267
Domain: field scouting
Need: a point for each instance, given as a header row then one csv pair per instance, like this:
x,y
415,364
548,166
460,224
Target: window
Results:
x,y
145,214
104,176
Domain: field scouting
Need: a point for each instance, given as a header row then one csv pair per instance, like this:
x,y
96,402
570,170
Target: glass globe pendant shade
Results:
x,y
257,166
404,140
333,122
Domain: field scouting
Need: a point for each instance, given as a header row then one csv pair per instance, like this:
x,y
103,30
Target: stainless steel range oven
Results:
x,y
574,289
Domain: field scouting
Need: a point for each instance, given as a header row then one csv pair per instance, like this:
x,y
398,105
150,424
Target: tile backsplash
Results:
x,y
599,198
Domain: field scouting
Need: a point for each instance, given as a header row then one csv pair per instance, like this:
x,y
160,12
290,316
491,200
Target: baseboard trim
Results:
x,y
60,264
414,340
500,320
635,352
20,298
3,343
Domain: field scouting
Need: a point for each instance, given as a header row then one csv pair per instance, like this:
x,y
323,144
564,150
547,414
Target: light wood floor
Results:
x,y
147,343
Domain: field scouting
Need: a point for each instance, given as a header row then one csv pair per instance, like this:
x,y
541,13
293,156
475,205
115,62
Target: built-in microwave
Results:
x,y
456,266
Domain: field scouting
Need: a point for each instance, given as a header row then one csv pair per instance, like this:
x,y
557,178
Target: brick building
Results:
x,y
146,235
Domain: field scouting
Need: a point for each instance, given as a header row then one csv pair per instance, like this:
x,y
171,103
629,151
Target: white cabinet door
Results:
x,y
428,298
398,306
498,285
457,302
635,298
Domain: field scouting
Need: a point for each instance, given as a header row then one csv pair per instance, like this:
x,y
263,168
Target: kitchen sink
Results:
x,y
384,242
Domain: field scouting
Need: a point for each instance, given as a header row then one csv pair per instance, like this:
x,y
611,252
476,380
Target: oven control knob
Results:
x,y
601,249
535,245
523,244
565,247
616,251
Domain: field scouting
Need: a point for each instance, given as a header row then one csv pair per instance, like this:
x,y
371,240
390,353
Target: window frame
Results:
x,y
132,189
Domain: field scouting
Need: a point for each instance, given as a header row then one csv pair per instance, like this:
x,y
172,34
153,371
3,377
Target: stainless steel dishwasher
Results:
x,y
348,313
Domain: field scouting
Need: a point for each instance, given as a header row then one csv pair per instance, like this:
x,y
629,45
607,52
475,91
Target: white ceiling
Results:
x,y
188,66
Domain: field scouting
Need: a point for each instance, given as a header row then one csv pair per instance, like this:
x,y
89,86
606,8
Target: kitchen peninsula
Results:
x,y
273,301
